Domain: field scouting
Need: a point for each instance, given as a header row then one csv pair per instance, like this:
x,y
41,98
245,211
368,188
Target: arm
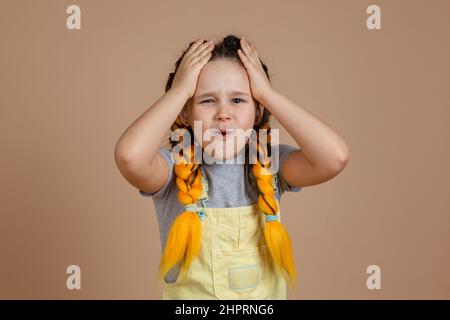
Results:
x,y
323,152
136,152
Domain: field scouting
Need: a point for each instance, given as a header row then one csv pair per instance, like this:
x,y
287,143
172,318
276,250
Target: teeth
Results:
x,y
224,132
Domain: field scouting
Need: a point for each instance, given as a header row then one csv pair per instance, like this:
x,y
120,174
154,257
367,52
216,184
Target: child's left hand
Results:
x,y
259,84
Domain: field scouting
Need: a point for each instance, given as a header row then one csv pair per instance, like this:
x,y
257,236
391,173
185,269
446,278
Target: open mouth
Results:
x,y
224,133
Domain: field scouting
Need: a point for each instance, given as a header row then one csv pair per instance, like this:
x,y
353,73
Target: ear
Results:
x,y
184,116
259,113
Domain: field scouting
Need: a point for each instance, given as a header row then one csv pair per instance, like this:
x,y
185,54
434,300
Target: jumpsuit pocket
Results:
x,y
240,273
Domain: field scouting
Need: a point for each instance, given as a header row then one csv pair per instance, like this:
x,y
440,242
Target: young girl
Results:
x,y
219,221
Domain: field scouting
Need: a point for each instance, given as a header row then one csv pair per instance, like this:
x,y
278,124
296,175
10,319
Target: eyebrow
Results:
x,y
212,93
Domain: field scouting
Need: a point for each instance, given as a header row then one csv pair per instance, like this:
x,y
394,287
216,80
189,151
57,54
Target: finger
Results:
x,y
256,59
187,56
243,57
194,46
197,56
244,46
254,50
203,46
251,49
248,50
202,61
209,46
200,56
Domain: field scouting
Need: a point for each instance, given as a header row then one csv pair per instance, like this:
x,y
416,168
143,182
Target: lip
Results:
x,y
221,136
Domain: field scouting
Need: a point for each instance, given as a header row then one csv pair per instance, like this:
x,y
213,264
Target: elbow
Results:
x,y
122,156
341,159
344,156
127,159
338,162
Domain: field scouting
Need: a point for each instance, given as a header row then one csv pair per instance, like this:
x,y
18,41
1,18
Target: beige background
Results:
x,y
66,96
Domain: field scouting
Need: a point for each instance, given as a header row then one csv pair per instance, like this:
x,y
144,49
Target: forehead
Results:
x,y
222,76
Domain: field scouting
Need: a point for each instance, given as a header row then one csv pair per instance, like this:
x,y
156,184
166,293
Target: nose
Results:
x,y
223,117
223,113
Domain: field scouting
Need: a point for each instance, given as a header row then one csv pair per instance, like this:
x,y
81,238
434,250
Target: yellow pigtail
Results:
x,y
276,235
184,239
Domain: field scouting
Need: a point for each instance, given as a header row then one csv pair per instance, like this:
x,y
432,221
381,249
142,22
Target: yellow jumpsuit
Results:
x,y
234,261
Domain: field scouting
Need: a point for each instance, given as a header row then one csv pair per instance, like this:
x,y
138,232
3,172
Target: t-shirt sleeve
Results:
x,y
167,155
284,150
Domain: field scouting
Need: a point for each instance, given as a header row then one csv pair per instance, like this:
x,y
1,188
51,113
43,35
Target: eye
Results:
x,y
239,99
206,100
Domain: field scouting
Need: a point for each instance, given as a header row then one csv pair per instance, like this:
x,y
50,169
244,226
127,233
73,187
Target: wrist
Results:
x,y
266,96
181,93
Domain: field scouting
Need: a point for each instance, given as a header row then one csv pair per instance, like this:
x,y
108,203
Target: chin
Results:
x,y
221,153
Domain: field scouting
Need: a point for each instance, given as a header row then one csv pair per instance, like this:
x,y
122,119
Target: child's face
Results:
x,y
217,107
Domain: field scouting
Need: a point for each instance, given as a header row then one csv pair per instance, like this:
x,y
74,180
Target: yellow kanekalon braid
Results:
x,y
277,237
184,237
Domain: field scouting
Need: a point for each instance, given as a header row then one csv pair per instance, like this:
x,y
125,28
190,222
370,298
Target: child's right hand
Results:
x,y
194,60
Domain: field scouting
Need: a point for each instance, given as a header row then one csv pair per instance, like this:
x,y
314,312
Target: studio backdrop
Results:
x,y
74,75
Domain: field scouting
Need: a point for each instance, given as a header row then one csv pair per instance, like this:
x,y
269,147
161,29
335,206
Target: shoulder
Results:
x,y
167,155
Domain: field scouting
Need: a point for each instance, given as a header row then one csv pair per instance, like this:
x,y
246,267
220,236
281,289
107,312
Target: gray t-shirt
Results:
x,y
227,188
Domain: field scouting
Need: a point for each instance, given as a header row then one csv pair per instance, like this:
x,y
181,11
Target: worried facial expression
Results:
x,y
223,103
